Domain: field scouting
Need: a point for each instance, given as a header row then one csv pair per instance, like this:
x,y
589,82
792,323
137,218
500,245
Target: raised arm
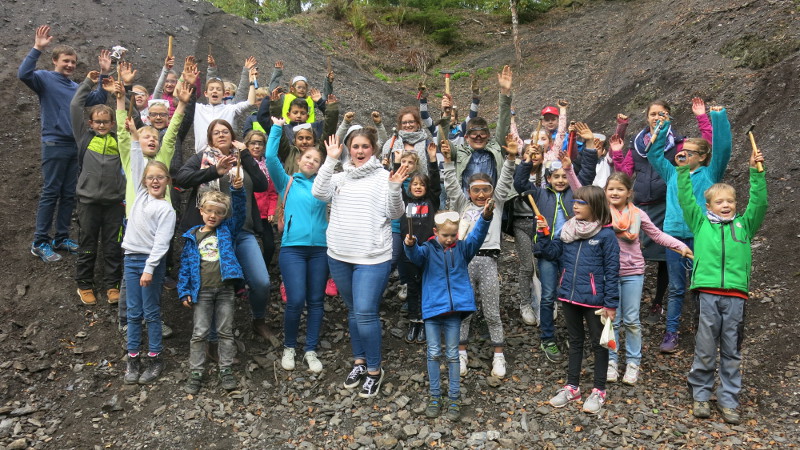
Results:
x,y
77,104
504,80
275,79
656,155
242,89
721,146
323,186
273,162
692,212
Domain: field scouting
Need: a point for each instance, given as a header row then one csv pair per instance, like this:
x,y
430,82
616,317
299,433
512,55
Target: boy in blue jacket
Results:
x,y
209,270
447,296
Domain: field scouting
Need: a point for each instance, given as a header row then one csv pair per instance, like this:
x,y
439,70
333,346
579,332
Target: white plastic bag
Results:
x,y
607,339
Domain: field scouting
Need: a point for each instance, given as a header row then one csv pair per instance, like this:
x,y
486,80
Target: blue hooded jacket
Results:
x,y
189,277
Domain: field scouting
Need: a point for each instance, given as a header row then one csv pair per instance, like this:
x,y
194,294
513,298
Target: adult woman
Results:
x,y
213,168
360,261
410,137
256,143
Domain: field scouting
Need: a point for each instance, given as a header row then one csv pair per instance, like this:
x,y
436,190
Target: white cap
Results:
x,y
299,78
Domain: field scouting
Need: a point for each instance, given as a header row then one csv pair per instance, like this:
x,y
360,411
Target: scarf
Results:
x,y
713,218
365,170
575,229
626,223
210,157
643,138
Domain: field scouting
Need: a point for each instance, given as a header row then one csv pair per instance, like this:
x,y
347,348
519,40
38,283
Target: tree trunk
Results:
x,y
515,31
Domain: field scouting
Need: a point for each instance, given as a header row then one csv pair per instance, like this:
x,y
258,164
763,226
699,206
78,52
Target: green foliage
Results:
x,y
485,72
436,22
380,75
358,20
757,52
268,10
458,75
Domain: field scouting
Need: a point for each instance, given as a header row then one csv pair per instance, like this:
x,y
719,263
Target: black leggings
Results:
x,y
662,283
267,241
574,316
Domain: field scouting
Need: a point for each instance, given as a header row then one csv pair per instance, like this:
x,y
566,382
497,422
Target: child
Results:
x,y
721,280
313,99
216,109
100,192
151,223
588,251
447,296
421,195
705,171
206,282
139,96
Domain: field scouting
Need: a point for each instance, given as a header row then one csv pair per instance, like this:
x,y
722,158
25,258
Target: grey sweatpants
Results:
x,y
523,241
486,285
721,323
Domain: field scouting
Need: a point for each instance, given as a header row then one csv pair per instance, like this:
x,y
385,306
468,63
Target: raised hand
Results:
x,y
488,209
332,99
93,75
279,121
279,65
211,61
275,95
190,73
511,147
584,131
130,126
250,62
349,116
755,158
717,108
615,144
169,62
126,72
504,79
422,90
184,91
431,152
446,149
563,104
475,86
333,147
108,84
225,164
622,118
104,60
253,74
42,38
566,162
698,106
400,175
315,94
376,118
188,63
331,76
410,240
447,102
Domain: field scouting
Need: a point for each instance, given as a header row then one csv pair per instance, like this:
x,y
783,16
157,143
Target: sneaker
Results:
x,y
453,410
227,380
169,283
499,365
330,288
45,251
551,351
670,343
413,328
595,401
132,370
314,366
527,315
654,314
402,294
287,361
631,374
194,383
87,296
729,415
153,370
113,296
612,374
462,359
372,385
434,407
421,338
356,376
166,331
565,395
67,245
283,292
701,410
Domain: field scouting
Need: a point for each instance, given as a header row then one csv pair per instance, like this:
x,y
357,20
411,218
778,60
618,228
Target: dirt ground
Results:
x,y
60,362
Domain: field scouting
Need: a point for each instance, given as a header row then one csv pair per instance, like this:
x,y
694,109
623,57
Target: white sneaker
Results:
x,y
499,366
555,310
528,315
402,294
612,375
631,374
314,365
287,362
462,359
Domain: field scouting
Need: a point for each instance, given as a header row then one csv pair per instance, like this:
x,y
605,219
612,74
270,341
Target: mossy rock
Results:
x,y
756,52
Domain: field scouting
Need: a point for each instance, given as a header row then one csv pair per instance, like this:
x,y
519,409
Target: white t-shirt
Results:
x,y
205,114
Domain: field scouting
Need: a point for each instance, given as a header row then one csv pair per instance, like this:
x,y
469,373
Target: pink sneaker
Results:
x,y
330,288
283,292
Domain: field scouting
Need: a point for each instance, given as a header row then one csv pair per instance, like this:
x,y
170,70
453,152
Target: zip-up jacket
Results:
x,y
590,269
189,281
722,253
445,277
424,208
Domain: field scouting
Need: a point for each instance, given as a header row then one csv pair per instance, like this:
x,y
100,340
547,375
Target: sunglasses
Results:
x,y
446,216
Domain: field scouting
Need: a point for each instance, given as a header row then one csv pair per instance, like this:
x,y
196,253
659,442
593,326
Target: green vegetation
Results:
x,y
757,52
458,75
380,75
485,72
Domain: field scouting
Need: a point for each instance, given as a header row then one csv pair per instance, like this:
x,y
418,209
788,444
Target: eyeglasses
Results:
x,y
480,190
156,177
139,94
580,202
101,122
446,216
162,115
477,135
221,132
261,143
408,122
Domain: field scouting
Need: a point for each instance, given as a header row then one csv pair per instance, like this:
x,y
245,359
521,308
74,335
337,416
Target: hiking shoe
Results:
x,y
153,371
260,328
314,366
499,365
413,329
462,359
729,415
170,283
402,294
132,370
287,361
166,331
194,383
283,292
45,251
612,374
421,338
227,380
372,385
330,288
434,407
654,314
356,376
453,410
113,296
670,343
631,374
701,410
565,395
67,245
551,351
527,315
87,296
595,401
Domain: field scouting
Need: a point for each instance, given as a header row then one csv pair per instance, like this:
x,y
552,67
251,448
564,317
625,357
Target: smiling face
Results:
x,y
256,145
446,234
360,150
170,82
558,180
101,122
581,210
654,115
417,187
409,123
65,64
221,138
304,140
159,116
480,192
550,122
723,203
309,162
156,181
148,139
215,90
693,154
409,161
477,139
299,89
140,97
617,194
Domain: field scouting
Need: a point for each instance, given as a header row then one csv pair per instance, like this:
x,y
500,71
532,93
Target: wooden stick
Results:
x,y
169,47
759,166
538,214
678,251
130,106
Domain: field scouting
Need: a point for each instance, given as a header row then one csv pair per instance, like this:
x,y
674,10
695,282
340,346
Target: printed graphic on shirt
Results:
x,y
209,248
420,210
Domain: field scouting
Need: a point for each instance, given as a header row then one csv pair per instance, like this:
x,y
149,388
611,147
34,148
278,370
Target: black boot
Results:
x,y
153,370
421,333
411,336
132,370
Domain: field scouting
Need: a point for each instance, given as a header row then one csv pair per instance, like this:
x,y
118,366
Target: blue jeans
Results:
x,y
305,273
549,271
60,177
450,325
255,272
361,287
630,300
143,301
677,267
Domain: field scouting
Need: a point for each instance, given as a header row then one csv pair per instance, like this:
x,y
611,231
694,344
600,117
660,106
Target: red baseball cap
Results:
x,y
550,110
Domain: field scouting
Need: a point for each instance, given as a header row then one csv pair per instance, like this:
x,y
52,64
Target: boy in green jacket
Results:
x,y
721,278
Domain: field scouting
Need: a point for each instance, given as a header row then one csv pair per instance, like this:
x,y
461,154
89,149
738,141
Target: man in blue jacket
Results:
x,y
59,149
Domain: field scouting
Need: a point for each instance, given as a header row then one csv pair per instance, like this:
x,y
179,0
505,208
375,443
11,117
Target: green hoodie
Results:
x,y
722,254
